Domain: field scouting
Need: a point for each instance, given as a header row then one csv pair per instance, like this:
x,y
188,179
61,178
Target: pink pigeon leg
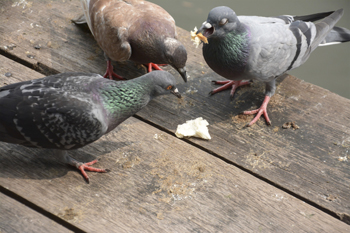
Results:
x,y
228,84
152,66
110,73
84,166
259,111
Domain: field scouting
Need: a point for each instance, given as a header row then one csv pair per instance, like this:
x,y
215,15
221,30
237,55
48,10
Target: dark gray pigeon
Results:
x,y
134,30
263,48
70,110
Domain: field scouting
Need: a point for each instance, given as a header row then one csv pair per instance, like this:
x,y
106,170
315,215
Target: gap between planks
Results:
x,y
40,210
38,67
297,196
45,70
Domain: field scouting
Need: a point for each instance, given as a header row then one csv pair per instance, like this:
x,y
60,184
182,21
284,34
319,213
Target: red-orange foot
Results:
x,y
228,84
85,166
152,66
110,73
259,111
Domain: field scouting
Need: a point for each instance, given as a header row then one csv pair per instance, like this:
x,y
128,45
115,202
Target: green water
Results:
x,y
328,67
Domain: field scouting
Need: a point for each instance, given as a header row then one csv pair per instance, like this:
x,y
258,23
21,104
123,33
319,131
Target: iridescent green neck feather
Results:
x,y
228,55
124,99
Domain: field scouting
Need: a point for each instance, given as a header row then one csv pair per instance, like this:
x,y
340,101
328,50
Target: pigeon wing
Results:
x,y
39,113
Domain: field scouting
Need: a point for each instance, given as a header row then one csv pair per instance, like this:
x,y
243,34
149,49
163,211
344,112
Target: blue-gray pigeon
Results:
x,y
70,110
134,30
263,48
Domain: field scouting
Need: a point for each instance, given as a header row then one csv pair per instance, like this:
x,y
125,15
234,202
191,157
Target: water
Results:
x,y
328,66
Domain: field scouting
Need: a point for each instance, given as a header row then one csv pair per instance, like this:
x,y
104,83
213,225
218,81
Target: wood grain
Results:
x,y
157,183
310,162
16,217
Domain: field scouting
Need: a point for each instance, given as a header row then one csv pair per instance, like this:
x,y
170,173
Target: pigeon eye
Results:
x,y
223,21
169,87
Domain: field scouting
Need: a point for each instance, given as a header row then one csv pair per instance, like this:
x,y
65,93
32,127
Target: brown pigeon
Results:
x,y
134,30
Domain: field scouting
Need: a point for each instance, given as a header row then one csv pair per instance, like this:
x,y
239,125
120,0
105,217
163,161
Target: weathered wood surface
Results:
x,y
310,162
157,183
16,217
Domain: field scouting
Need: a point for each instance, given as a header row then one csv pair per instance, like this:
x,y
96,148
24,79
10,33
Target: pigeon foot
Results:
x,y
226,85
110,73
85,167
152,66
259,112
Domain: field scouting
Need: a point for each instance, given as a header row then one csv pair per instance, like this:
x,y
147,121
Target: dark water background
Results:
x,y
328,66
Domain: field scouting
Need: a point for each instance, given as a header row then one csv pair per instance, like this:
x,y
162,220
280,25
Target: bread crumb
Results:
x,y
197,38
194,128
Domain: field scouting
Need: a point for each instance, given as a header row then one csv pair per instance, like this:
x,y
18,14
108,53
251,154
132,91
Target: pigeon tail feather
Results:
x,y
85,5
313,17
337,35
80,19
324,27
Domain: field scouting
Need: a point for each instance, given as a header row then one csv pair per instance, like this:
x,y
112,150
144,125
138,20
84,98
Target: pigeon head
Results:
x,y
176,54
163,83
221,20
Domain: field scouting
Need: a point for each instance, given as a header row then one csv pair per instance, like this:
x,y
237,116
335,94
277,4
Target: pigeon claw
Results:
x,y
225,85
85,167
152,66
110,73
260,111
228,84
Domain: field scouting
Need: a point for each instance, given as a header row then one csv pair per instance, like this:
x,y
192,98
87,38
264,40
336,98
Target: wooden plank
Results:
x,y
157,183
12,72
16,217
310,162
41,25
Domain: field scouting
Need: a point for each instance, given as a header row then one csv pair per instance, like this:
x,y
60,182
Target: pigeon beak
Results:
x,y
182,72
176,93
207,29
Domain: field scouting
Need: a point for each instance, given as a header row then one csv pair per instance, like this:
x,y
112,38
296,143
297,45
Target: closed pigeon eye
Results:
x,y
223,21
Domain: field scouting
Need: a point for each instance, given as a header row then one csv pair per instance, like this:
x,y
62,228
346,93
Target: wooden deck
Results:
x,y
258,179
